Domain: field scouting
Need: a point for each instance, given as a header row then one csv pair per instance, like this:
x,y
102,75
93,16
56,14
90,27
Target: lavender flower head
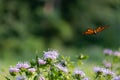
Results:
x,y
51,54
59,66
107,64
79,72
104,71
13,71
109,72
24,65
98,70
85,78
21,78
116,78
108,51
117,53
31,70
41,62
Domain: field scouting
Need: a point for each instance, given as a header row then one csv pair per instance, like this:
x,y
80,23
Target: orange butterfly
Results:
x,y
94,31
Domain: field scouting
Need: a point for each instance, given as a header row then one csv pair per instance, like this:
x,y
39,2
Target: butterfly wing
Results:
x,y
101,28
89,31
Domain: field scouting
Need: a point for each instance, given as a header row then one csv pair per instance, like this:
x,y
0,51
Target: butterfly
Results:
x,y
91,31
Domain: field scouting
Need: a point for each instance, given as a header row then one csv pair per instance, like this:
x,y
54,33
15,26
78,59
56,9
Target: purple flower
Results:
x,y
41,62
13,71
116,78
107,64
51,54
24,65
98,70
109,72
21,78
32,70
108,51
104,71
79,72
85,78
59,66
117,53
41,78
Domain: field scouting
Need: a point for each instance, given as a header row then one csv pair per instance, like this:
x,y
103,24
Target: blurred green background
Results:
x,y
28,27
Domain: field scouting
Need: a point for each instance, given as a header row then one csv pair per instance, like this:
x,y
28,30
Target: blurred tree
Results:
x,y
26,25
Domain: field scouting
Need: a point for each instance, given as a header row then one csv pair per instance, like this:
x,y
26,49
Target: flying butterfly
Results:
x,y
91,31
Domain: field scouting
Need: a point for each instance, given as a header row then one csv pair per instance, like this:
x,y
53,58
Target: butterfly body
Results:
x,y
91,31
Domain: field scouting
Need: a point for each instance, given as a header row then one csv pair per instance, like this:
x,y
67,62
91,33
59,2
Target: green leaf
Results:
x,y
35,78
7,78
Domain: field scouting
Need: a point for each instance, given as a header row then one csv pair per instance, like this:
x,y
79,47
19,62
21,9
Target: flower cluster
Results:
x,y
21,67
51,55
108,51
110,68
103,71
111,52
24,65
54,67
49,65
